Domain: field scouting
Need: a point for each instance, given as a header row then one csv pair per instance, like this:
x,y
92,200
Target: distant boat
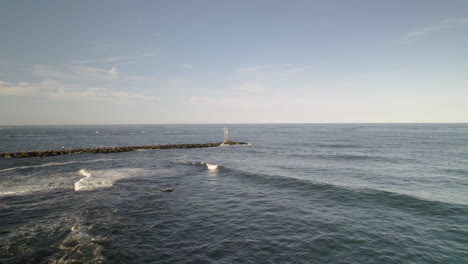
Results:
x,y
97,132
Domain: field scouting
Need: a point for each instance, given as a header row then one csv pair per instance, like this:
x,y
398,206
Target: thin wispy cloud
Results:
x,y
178,81
431,29
443,25
198,99
17,89
222,103
186,66
259,79
106,45
271,71
150,54
121,52
49,72
138,78
124,59
75,72
56,90
103,60
251,88
106,94
255,68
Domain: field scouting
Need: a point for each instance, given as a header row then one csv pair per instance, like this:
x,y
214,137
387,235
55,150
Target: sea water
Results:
x,y
298,193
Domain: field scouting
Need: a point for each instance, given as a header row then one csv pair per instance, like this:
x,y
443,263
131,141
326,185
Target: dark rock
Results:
x,y
41,153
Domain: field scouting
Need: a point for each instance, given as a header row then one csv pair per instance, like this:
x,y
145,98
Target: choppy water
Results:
x,y
298,194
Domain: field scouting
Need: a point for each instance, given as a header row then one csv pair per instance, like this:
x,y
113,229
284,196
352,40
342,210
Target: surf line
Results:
x,y
42,153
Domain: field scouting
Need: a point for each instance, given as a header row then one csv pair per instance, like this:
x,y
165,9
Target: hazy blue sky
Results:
x,y
108,62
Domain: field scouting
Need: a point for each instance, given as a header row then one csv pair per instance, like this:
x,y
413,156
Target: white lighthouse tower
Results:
x,y
226,136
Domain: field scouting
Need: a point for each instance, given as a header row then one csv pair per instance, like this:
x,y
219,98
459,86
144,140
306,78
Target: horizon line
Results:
x,y
250,123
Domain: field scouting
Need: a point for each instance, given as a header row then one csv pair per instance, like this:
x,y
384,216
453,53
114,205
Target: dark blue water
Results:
x,y
315,193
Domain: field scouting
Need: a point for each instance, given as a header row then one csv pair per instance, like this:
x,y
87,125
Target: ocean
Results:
x,y
298,193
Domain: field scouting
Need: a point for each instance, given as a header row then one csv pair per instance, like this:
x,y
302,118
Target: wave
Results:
x,y
98,179
11,193
210,166
206,165
352,157
349,195
455,171
52,164
80,247
80,185
84,173
92,180
347,157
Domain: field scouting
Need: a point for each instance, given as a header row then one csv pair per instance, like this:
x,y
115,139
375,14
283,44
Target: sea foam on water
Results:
x,y
80,247
104,178
210,166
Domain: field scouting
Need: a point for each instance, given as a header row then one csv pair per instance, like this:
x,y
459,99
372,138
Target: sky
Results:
x,y
185,62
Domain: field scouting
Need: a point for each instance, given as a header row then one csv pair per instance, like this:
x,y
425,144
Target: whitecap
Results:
x,y
210,166
97,179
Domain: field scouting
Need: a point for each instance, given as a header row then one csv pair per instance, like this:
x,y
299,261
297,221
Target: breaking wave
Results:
x,y
98,179
346,194
210,166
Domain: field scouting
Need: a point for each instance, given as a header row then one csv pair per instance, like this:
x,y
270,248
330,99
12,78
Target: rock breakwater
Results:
x,y
42,153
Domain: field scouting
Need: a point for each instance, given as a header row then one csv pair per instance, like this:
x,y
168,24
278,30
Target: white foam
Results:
x,y
84,173
52,164
11,186
210,166
80,246
98,179
229,145
9,193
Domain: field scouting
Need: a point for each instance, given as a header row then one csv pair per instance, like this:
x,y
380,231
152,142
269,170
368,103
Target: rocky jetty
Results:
x,y
42,153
